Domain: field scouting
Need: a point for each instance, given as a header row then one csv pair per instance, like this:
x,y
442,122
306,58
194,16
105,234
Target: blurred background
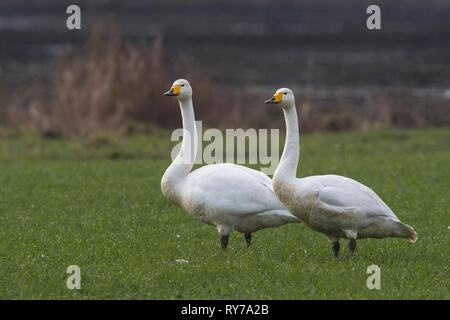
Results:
x,y
110,75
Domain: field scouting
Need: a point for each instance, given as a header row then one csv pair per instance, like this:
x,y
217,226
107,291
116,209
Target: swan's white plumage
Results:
x,y
345,192
337,206
231,195
225,195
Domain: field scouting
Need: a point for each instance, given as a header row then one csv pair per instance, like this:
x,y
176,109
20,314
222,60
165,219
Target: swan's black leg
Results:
x,y
336,248
224,241
248,239
352,246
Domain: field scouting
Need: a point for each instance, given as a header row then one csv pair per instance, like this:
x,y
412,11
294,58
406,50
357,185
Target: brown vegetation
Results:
x,y
110,82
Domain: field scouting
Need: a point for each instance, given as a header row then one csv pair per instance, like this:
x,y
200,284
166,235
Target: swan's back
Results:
x,y
229,188
343,192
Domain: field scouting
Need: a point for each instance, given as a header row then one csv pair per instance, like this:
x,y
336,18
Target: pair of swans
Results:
x,y
235,197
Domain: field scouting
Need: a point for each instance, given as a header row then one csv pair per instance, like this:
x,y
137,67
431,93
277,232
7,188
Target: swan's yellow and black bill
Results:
x,y
174,91
275,99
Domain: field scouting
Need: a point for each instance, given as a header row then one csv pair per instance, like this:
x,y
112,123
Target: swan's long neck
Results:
x,y
184,161
287,169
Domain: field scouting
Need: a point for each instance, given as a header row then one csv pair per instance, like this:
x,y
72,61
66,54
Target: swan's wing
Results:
x,y
255,174
230,189
344,192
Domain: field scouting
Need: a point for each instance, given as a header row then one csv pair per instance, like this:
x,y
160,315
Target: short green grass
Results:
x,y
97,204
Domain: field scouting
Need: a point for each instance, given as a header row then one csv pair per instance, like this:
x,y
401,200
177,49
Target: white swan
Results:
x,y
225,195
334,205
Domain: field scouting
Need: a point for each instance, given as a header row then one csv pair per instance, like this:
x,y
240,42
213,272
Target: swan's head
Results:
x,y
283,97
181,90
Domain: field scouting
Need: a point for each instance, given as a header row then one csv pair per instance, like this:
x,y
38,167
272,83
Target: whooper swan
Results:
x,y
334,205
225,195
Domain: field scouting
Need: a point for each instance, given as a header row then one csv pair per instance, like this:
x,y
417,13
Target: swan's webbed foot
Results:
x,y
248,239
336,247
351,246
224,241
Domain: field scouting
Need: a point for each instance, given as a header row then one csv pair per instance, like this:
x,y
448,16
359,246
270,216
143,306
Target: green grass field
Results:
x,y
97,204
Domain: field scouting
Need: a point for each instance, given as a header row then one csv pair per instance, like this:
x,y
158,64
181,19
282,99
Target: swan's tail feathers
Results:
x,y
408,232
288,217
276,218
